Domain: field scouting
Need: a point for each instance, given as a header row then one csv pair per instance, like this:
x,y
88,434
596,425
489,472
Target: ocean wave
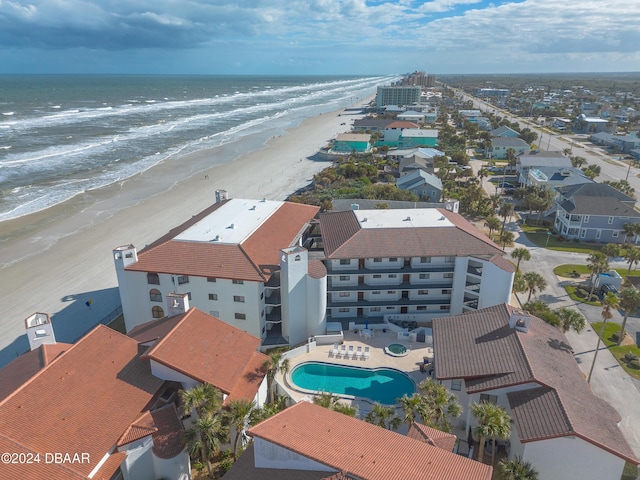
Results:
x,y
7,114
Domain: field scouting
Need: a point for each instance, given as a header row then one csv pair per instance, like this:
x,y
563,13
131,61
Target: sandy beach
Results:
x,y
57,260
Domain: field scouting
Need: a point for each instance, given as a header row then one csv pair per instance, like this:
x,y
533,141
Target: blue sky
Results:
x,y
318,36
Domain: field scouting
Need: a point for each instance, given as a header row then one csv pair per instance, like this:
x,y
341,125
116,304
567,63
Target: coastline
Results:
x,y
55,260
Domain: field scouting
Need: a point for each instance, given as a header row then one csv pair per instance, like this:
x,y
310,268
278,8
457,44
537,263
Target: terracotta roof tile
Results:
x,y
167,440
13,375
481,348
82,401
211,351
110,466
344,238
317,269
361,449
154,329
142,427
432,436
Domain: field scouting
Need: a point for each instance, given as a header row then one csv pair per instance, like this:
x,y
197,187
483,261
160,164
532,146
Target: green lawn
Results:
x,y
571,291
617,351
539,235
567,270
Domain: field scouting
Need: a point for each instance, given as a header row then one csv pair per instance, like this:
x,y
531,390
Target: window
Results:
x,y
262,296
157,312
421,307
214,313
344,278
424,276
213,296
456,385
449,259
155,295
615,233
153,279
377,260
240,316
393,259
390,308
343,309
488,398
423,292
610,220
345,261
238,282
446,291
377,276
182,279
391,292
345,294
374,309
375,292
585,219
211,279
393,275
583,233
238,298
448,275
425,259
598,234
189,295
444,307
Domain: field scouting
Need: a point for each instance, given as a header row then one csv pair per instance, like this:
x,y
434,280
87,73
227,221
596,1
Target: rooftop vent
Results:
x,y
408,219
217,238
364,219
253,208
232,226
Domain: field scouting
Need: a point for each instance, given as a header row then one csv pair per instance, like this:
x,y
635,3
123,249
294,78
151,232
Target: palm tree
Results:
x,y
273,365
519,284
570,319
610,302
598,263
535,282
632,255
578,162
611,250
239,411
204,437
629,301
439,405
506,237
506,210
332,402
630,230
384,417
492,223
413,407
516,469
520,254
204,398
493,423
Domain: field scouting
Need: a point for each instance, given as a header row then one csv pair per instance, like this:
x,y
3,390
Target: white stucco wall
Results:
x,y
165,373
138,465
572,458
178,467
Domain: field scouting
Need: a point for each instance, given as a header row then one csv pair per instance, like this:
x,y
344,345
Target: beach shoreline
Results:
x,y
55,260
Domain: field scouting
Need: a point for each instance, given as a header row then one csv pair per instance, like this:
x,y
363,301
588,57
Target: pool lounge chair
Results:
x,y
358,352
366,352
335,351
351,352
343,351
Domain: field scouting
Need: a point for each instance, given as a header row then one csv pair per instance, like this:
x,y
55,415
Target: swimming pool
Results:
x,y
382,385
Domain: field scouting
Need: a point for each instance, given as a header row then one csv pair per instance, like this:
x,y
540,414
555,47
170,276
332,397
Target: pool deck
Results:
x,y
409,364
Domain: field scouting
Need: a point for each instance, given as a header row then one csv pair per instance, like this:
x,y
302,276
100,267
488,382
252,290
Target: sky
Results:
x,y
319,37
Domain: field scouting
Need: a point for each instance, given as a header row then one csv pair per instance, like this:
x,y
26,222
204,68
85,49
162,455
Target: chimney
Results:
x,y
177,303
39,330
520,319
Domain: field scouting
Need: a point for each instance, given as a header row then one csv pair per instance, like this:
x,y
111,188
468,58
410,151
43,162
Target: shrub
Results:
x,y
635,364
593,298
615,336
630,356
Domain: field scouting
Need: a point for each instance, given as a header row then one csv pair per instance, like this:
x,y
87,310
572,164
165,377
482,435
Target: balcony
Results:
x,y
386,286
403,302
273,300
275,316
421,268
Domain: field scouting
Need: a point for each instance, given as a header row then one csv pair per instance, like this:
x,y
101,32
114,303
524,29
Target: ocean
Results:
x,y
61,135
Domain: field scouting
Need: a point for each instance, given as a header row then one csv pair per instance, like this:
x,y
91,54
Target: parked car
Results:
x,y
496,169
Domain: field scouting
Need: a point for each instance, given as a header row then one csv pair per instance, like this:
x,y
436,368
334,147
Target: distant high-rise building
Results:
x,y
421,79
398,95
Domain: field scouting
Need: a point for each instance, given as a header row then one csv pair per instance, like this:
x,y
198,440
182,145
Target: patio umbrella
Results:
x,y
366,323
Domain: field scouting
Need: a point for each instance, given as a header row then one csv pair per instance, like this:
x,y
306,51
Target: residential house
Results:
x,y
553,177
504,131
500,146
351,143
412,116
561,123
416,137
414,159
539,159
620,143
309,442
229,260
594,212
371,124
584,124
422,183
469,115
412,264
393,131
509,357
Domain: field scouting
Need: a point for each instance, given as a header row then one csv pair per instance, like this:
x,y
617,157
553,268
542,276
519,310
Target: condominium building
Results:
x,y
400,95
233,260
413,264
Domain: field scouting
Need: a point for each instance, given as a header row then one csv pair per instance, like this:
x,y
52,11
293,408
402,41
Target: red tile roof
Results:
x,y
402,124
154,329
81,402
27,365
142,427
167,440
317,269
361,449
343,238
432,436
211,351
481,348
254,259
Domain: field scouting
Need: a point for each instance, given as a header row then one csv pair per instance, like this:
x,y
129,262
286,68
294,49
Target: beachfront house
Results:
x,y
351,143
371,124
417,137
307,441
594,212
237,260
393,131
511,358
409,264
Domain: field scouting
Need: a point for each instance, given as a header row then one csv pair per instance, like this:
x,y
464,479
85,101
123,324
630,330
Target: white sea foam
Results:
x,y
8,114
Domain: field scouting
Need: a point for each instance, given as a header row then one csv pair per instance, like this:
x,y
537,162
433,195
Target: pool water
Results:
x,y
381,385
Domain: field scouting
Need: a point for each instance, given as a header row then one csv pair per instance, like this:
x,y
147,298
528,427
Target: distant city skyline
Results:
x,y
342,37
